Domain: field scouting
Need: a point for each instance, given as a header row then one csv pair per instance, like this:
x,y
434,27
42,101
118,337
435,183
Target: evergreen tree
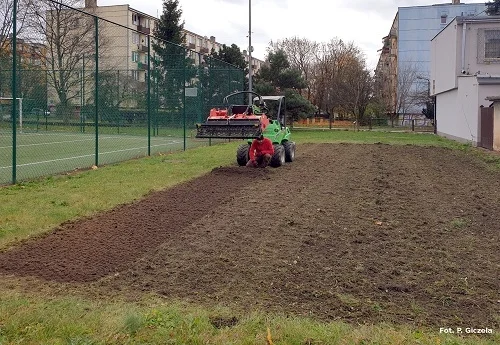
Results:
x,y
277,77
493,8
278,72
231,55
171,67
170,27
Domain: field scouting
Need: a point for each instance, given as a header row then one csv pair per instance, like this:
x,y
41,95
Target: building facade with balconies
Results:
x,y
134,44
256,63
129,47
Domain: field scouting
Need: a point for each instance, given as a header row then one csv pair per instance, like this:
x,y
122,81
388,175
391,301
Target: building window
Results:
x,y
135,56
135,75
443,19
135,19
145,58
492,44
135,38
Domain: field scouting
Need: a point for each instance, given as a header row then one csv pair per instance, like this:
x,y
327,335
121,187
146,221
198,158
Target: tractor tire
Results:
x,y
242,156
289,151
278,158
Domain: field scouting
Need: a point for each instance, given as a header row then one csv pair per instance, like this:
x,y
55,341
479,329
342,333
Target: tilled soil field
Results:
x,y
362,233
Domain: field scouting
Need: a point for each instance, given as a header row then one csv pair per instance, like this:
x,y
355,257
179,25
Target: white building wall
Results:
x,y
458,110
117,50
496,127
467,115
446,110
444,71
474,48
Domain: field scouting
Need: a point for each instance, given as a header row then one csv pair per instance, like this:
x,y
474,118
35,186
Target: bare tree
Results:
x,y
7,20
407,92
301,53
335,73
334,60
355,87
70,48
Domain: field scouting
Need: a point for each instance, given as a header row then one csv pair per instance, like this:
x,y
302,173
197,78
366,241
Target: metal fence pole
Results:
x,y
184,97
96,101
149,96
14,90
82,98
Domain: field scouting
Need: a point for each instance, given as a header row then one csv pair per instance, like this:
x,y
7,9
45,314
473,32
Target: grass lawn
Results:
x,y
33,312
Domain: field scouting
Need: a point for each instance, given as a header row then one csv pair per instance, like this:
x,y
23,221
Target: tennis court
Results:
x,y
48,153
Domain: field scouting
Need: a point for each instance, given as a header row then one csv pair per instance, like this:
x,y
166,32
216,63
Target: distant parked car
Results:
x,y
40,112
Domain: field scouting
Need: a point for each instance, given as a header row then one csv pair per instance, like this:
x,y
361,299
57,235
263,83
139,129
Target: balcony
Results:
x,y
142,48
142,66
204,50
144,30
191,46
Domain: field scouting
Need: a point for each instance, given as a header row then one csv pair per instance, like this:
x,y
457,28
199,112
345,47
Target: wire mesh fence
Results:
x,y
79,89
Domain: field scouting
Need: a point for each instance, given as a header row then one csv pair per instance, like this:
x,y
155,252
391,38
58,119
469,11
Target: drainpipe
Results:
x,y
464,31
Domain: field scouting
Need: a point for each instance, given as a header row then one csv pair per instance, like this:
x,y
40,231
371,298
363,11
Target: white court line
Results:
x,y
69,141
85,156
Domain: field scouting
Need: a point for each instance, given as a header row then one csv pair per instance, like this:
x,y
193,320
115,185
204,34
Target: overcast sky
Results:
x,y
363,22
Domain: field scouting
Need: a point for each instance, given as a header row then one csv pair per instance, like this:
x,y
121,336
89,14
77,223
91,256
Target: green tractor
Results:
x,y
249,122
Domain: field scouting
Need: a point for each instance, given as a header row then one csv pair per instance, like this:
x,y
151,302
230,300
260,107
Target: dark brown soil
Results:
x,y
363,233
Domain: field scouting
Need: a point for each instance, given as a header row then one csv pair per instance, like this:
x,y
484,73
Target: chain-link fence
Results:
x,y
81,90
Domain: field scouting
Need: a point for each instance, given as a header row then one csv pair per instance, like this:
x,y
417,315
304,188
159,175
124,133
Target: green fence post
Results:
x,y
149,96
96,101
209,95
229,80
82,99
46,97
14,90
184,96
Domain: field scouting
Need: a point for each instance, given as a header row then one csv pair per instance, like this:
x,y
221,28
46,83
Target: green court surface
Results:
x,y
49,153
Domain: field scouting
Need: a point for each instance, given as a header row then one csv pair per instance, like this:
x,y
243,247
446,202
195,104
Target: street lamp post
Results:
x,y
250,71
432,101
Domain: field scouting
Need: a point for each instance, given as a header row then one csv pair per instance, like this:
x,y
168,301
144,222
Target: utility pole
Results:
x,y
250,86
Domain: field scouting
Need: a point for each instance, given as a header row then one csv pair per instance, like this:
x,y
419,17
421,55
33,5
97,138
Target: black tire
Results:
x,y
242,154
289,151
278,158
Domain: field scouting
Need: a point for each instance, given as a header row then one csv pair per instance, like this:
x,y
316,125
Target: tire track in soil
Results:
x,y
363,233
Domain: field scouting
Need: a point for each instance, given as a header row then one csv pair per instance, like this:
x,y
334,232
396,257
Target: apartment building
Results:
x,y
256,63
407,48
130,48
30,56
28,53
387,69
201,44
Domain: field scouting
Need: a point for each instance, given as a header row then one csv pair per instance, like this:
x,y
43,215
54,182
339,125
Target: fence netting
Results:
x,y
85,90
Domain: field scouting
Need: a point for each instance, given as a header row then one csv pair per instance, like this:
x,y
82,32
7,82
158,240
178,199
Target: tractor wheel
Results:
x,y
242,154
278,158
289,151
